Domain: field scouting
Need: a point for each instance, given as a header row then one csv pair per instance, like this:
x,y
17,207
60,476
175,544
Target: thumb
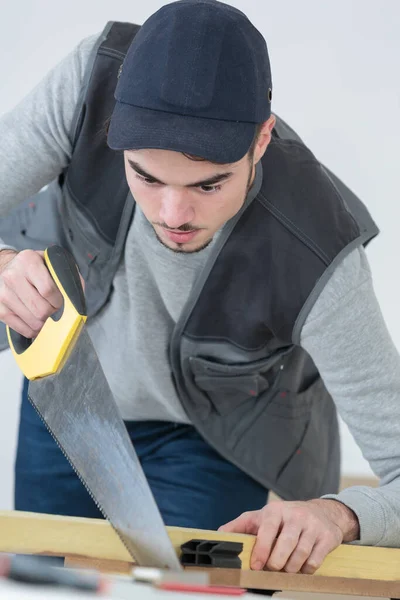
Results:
x,y
248,522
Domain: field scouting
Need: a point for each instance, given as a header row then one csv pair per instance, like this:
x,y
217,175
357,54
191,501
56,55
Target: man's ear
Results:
x,y
264,138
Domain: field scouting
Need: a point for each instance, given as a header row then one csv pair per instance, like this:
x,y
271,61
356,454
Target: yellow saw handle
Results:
x,y
47,353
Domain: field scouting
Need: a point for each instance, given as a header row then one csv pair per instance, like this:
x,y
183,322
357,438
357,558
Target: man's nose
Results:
x,y
176,208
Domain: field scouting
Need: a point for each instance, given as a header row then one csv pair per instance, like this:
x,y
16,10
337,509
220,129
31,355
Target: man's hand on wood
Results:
x,y
296,536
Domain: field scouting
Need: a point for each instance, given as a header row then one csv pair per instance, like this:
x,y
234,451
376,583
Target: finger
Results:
x,y
285,545
42,281
32,282
318,554
28,294
301,553
267,533
39,276
80,276
248,522
15,306
19,326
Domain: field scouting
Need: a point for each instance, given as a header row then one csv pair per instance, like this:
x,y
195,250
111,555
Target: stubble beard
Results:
x,y
180,248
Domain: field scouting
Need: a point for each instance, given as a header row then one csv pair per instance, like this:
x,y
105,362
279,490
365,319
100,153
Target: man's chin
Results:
x,y
189,248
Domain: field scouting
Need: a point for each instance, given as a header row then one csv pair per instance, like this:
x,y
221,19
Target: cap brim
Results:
x,y
135,128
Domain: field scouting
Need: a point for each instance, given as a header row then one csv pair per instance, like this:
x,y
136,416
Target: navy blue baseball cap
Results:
x,y
196,79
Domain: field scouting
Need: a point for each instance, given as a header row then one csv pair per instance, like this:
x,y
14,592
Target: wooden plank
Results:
x,y
51,535
113,567
286,582
31,533
362,562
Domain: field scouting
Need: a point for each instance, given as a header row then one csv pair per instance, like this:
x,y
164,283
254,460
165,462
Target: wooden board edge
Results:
x,y
110,567
286,582
82,538
95,539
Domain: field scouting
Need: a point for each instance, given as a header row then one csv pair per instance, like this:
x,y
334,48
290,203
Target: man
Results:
x,y
226,281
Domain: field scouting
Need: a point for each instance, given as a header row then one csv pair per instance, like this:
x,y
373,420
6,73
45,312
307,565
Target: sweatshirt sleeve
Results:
x,y
346,336
36,136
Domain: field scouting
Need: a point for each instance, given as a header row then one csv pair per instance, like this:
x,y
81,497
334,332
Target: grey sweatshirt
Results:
x,y
345,333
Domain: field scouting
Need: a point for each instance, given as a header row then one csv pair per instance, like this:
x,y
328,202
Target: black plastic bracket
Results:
x,y
210,553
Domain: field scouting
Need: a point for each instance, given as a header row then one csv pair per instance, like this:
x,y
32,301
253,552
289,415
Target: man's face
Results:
x,y
186,200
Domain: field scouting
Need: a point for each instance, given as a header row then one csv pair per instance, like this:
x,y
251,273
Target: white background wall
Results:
x,y
336,72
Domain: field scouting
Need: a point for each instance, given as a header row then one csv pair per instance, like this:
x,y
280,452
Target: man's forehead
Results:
x,y
175,167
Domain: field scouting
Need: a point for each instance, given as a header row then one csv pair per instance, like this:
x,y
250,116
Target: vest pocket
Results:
x,y
292,405
229,385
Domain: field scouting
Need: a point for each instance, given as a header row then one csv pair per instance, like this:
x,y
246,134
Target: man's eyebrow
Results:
x,y
210,181
136,167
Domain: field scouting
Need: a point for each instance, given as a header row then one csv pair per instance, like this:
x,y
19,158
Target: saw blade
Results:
x,y
79,410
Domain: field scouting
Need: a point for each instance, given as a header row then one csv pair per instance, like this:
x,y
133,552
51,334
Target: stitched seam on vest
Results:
x,y
294,229
299,144
121,225
320,284
225,339
111,52
87,76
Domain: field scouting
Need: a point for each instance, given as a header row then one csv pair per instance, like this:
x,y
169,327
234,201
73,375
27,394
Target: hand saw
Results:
x,y
70,392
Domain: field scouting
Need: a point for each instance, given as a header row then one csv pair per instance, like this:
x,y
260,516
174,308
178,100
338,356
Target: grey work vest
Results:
x,y
235,358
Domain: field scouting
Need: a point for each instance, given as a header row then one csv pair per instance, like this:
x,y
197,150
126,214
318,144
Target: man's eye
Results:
x,y
209,189
145,179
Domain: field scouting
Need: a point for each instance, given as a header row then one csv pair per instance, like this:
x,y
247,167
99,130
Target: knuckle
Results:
x,y
47,288
8,276
303,551
271,514
305,570
272,507
27,256
4,313
36,325
301,513
19,326
314,530
291,567
42,314
291,537
292,526
312,565
295,516
266,512
58,300
275,565
249,515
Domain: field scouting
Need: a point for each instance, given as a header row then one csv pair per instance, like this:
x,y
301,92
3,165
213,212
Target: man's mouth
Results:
x,y
180,237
